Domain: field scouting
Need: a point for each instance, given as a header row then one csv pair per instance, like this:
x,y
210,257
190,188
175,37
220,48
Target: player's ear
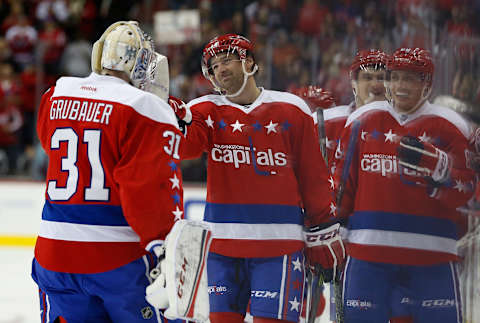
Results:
x,y
426,91
249,62
354,87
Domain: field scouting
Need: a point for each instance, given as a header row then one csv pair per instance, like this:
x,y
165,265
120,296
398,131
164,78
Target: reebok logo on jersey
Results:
x,y
88,88
384,164
237,155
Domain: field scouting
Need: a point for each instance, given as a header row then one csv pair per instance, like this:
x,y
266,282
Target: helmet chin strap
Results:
x,y
245,78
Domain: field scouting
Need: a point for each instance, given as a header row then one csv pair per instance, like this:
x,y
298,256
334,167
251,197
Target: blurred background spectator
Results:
x,y
298,42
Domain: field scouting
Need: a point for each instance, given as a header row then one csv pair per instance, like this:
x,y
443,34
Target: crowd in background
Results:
x,y
297,42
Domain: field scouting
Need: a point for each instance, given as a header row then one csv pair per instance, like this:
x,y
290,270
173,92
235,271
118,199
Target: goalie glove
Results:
x,y
425,158
324,250
182,112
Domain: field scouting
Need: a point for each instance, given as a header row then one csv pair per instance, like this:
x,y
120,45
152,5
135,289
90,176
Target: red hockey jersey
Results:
x,y
113,180
264,167
393,218
335,119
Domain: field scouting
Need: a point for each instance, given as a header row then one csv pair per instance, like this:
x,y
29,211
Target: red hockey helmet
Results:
x,y
412,59
368,58
229,43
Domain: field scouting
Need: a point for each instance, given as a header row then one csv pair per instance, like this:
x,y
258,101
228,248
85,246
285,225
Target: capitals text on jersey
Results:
x,y
238,154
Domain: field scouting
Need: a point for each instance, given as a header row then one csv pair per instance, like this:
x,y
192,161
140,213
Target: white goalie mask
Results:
x,y
125,47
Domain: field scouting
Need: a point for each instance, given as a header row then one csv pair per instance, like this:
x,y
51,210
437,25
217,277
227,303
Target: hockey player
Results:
x,y
261,189
114,188
367,74
401,198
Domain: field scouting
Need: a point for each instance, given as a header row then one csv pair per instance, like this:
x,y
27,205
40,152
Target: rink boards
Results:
x,y
21,206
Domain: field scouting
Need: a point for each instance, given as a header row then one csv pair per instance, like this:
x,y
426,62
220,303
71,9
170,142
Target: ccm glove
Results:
x,y
324,250
183,113
425,158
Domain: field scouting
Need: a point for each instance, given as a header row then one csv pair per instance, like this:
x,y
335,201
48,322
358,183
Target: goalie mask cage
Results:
x,y
469,271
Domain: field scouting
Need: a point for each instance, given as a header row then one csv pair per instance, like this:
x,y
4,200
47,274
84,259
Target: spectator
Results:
x,y
22,38
10,116
52,10
75,60
54,39
15,11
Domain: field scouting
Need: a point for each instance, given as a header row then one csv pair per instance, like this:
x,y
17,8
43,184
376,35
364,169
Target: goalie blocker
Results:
x,y
180,279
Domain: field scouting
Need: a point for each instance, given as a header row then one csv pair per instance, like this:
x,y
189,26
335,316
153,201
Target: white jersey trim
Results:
x,y
86,232
376,105
266,96
114,89
448,114
341,111
258,231
427,109
402,240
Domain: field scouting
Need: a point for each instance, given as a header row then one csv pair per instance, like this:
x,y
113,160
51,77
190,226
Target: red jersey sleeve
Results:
x,y
313,176
148,177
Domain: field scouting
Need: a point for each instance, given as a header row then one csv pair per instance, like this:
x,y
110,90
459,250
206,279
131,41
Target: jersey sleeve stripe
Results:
x,y
84,214
246,231
402,240
253,214
86,232
403,223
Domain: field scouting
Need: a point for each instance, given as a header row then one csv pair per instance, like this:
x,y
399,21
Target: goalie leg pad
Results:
x,y
186,255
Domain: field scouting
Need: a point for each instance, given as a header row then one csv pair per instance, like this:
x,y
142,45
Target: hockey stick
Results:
x,y
352,144
322,137
315,277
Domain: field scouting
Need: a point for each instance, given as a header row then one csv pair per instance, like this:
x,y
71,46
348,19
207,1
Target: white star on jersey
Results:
x,y
460,186
175,181
389,136
332,183
237,126
424,137
295,304
333,208
209,121
178,213
297,265
271,127
364,133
